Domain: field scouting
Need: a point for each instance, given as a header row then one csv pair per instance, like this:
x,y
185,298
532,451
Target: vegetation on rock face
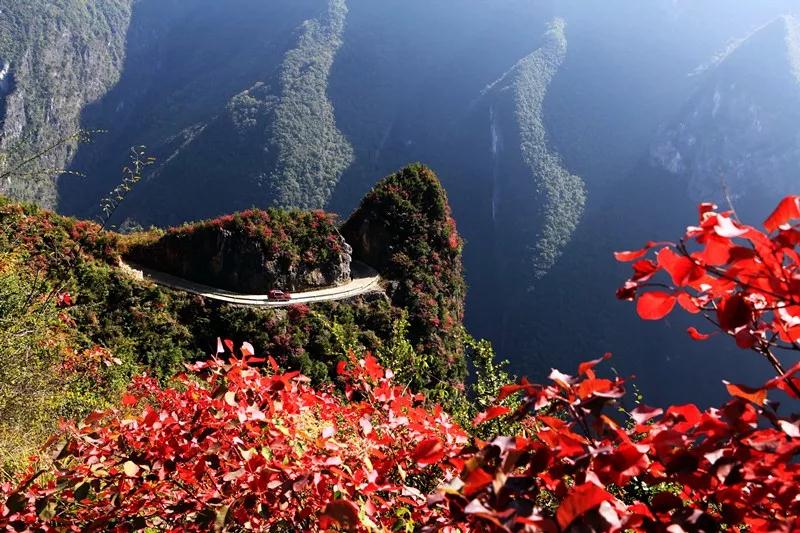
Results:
x,y
250,252
404,228
564,194
61,55
312,152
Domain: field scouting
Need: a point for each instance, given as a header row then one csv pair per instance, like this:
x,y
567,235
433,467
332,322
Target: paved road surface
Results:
x,y
365,281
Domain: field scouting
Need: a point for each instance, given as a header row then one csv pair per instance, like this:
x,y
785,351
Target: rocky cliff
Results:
x,y
251,252
404,229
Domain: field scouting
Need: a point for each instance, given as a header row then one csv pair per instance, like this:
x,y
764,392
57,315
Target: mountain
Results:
x,y
739,131
734,137
213,90
55,58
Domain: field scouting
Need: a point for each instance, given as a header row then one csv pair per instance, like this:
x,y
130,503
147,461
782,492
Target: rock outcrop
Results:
x,y
405,230
251,252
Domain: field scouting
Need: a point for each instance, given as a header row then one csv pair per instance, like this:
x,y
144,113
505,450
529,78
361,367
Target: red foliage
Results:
x,y
243,449
577,468
745,282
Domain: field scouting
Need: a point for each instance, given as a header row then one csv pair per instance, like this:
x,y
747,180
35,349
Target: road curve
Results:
x,y
365,281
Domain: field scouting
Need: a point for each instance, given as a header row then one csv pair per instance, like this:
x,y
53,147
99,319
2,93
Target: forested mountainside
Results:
x,y
732,141
55,58
546,122
548,202
216,95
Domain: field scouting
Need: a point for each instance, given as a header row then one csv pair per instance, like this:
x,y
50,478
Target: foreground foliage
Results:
x,y
245,448
746,283
233,447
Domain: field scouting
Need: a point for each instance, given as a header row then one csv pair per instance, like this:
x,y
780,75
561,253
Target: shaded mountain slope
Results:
x,y
740,125
182,96
740,128
559,197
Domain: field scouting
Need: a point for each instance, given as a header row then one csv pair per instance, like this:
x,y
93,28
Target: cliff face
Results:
x,y
252,252
55,59
220,89
405,230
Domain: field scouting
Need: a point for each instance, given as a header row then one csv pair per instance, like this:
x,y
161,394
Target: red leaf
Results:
x,y
624,257
374,370
643,413
787,210
733,313
685,300
717,250
428,452
129,399
655,305
680,268
229,344
757,396
745,339
696,335
476,480
585,367
688,412
341,512
579,501
508,390
727,228
705,208
644,270
490,414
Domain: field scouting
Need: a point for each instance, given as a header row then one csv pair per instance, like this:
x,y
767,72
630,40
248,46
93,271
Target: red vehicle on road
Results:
x,y
279,296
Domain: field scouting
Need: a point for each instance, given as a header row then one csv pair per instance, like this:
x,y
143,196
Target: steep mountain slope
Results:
x,y
55,58
181,96
274,144
740,130
558,197
740,125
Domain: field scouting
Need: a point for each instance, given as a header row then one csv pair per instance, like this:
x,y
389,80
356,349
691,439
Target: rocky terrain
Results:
x,y
251,252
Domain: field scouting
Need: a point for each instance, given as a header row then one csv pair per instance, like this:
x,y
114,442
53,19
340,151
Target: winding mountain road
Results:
x,y
365,281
